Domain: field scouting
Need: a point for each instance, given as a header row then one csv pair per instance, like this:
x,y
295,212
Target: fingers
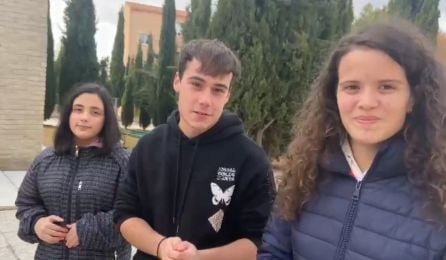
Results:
x,y
72,239
183,245
184,251
54,218
56,228
175,240
51,222
52,240
173,248
71,242
55,233
48,231
166,248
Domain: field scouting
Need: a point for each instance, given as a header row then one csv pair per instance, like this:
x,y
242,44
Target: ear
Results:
x,y
228,96
176,82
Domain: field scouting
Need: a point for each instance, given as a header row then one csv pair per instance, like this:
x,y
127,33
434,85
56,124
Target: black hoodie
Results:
x,y
210,190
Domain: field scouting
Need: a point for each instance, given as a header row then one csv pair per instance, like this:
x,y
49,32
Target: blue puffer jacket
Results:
x,y
382,217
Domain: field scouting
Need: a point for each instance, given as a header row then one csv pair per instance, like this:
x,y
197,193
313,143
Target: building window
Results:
x,y
178,29
145,38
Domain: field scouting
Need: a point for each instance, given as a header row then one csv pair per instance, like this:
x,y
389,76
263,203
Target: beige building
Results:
x,y
23,45
141,21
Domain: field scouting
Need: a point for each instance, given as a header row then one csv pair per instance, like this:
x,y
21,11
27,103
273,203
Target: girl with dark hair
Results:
x,y
65,202
365,174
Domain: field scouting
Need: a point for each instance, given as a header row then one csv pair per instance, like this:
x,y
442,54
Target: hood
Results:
x,y
228,125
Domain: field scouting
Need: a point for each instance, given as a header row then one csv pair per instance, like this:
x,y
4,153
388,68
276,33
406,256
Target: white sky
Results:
x,y
106,21
107,18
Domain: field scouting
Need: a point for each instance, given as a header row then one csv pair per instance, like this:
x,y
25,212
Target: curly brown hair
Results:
x,y
318,127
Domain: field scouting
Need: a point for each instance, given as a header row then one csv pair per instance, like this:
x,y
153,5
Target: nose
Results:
x,y
368,99
84,116
204,98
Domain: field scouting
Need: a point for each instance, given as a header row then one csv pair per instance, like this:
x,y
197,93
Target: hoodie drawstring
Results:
x,y
179,209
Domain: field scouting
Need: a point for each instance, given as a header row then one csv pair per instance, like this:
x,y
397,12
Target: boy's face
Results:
x,y
201,98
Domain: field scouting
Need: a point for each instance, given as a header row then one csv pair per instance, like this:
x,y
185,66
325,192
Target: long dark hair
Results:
x,y
110,134
318,126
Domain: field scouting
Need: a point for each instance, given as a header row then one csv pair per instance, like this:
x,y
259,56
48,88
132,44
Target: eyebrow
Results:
x,y
348,82
391,81
380,81
220,85
196,78
93,107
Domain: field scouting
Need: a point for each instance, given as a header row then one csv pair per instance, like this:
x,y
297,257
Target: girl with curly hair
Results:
x,y
365,174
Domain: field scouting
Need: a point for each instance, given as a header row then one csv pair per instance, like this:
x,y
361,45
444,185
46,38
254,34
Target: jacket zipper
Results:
x,y
353,211
348,224
70,193
78,201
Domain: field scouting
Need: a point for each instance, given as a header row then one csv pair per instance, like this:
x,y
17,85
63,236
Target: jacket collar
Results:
x,y
388,163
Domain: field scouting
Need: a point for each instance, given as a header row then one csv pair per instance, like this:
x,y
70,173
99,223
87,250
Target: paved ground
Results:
x,y
9,183
11,247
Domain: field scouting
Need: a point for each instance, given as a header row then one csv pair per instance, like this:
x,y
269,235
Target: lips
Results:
x,y
201,113
367,119
83,127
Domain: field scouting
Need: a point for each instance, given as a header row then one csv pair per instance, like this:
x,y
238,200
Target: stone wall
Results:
x,y
23,44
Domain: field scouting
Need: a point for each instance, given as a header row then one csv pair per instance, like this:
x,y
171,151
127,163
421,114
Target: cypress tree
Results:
x,y
369,14
165,95
344,17
139,59
141,88
50,86
423,13
233,23
80,61
103,73
145,96
57,67
138,68
281,45
127,105
198,19
117,68
150,58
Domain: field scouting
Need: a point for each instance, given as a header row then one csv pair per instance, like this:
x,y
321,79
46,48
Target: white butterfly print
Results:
x,y
220,196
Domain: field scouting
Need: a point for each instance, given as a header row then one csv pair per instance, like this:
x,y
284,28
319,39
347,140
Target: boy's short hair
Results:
x,y
215,57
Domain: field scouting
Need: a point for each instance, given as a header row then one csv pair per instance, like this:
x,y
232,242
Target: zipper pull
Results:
x,y
76,152
178,228
357,190
79,187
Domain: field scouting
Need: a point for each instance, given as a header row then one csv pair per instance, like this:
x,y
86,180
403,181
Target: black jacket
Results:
x,y
383,217
218,190
79,189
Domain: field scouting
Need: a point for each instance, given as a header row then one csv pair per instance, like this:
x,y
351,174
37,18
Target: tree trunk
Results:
x,y
259,135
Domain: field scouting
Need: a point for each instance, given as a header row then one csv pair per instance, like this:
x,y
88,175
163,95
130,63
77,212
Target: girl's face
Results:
x,y
373,96
86,118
